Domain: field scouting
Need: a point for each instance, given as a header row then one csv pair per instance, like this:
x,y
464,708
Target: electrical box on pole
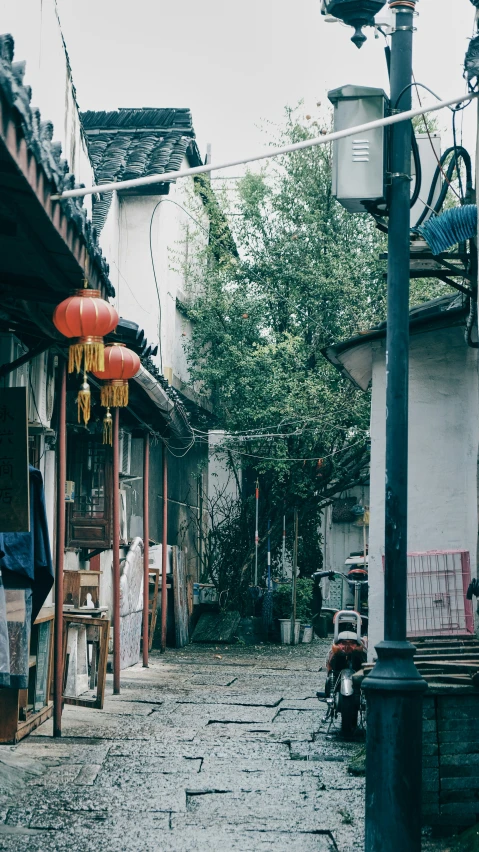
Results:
x,y
360,162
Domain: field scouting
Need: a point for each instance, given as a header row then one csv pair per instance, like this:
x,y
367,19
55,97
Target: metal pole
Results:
x,y
365,546
116,552
283,553
256,535
146,545
164,553
357,596
269,556
60,555
295,571
394,688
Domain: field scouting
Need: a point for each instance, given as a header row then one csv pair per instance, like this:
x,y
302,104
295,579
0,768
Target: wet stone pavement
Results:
x,y
210,748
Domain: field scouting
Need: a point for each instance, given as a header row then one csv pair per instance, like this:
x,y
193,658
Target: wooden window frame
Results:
x,y
92,531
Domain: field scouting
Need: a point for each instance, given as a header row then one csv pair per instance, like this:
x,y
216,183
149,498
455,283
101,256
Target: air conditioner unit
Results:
x,y
123,518
429,145
41,391
11,348
125,453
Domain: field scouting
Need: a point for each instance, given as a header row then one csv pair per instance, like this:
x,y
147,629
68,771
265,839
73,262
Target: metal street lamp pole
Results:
x,y
394,688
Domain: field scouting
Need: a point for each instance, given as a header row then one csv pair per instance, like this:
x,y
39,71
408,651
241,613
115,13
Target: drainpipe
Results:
x,y
116,551
256,533
60,555
146,544
164,552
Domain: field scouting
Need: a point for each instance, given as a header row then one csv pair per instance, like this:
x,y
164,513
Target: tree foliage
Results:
x,y
306,274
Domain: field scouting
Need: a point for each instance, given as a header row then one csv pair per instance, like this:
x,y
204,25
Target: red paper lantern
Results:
x,y
121,364
86,317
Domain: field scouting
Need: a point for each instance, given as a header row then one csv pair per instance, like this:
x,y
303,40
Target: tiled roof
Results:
x,y
139,118
38,136
132,143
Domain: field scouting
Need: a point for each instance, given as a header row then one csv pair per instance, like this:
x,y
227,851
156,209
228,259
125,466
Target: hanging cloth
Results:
x,y
4,640
27,560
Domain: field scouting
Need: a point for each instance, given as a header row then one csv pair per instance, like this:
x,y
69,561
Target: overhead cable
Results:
x,y
267,154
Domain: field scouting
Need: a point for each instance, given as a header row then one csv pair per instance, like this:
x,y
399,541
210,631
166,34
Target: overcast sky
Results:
x,y
237,63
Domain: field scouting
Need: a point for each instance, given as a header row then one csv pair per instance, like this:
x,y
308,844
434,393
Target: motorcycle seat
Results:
x,y
347,636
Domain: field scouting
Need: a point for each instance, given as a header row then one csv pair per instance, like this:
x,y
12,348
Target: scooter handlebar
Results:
x,y
349,579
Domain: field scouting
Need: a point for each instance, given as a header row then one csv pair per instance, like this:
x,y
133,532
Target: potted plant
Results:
x,y
282,605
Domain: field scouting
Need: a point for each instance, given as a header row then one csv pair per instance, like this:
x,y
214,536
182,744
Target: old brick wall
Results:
x,y
451,756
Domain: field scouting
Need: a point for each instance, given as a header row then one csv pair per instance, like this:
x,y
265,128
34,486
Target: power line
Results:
x,y
288,460
157,288
262,155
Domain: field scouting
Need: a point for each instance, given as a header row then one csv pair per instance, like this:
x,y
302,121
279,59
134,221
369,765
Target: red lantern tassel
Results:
x,y
84,402
90,351
114,394
108,428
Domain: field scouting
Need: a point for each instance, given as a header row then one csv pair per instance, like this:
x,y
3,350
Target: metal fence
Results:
x,y
436,597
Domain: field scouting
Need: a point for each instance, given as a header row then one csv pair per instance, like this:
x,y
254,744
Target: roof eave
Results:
x,y
417,325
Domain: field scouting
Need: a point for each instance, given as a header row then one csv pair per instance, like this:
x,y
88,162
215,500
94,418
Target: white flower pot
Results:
x,y
285,625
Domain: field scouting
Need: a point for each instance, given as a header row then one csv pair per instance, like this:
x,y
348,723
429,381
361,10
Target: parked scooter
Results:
x,y
347,656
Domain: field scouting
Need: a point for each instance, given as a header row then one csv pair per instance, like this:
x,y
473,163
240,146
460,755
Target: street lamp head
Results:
x,y
355,13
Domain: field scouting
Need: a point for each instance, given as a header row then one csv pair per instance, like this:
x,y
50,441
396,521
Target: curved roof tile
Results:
x,y
133,143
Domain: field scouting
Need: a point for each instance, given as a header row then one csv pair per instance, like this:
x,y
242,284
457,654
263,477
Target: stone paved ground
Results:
x,y
208,749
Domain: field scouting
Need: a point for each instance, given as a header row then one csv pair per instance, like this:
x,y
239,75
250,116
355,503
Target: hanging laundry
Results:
x,y
26,571
19,624
4,640
27,560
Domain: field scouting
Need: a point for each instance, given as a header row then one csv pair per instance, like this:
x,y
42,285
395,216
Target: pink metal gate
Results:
x,y
436,596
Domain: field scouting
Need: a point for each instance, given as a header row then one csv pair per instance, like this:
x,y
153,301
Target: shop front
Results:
x,y
47,251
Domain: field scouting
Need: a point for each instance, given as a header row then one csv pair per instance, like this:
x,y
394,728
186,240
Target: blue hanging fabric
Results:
x,y
4,640
26,560
453,226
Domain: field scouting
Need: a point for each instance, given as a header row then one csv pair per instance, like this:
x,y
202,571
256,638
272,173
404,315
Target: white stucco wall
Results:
x,y
35,28
339,540
125,239
221,479
443,448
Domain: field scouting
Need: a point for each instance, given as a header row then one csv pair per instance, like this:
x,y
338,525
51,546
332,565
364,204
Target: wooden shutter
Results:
x,y
90,516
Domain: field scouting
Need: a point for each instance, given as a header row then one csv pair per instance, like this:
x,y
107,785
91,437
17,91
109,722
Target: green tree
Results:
x,y
306,274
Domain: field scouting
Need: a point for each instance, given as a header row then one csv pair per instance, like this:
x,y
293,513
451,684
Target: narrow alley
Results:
x,y
210,748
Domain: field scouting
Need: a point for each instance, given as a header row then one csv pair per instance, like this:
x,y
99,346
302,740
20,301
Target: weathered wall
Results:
x,y
175,241
184,477
443,446
38,41
450,785
339,541
221,479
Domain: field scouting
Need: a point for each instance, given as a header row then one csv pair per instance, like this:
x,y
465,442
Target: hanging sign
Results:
x,y
14,479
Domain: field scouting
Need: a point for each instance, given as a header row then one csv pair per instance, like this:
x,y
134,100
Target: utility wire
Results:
x,y
262,155
288,460
440,166
160,350
120,273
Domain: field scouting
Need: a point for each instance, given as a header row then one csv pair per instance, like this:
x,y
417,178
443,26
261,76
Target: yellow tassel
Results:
x,y
114,395
108,428
92,353
84,402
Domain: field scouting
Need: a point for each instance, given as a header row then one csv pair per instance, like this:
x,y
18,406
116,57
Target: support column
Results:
x,y
394,688
116,551
60,554
146,543
164,552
